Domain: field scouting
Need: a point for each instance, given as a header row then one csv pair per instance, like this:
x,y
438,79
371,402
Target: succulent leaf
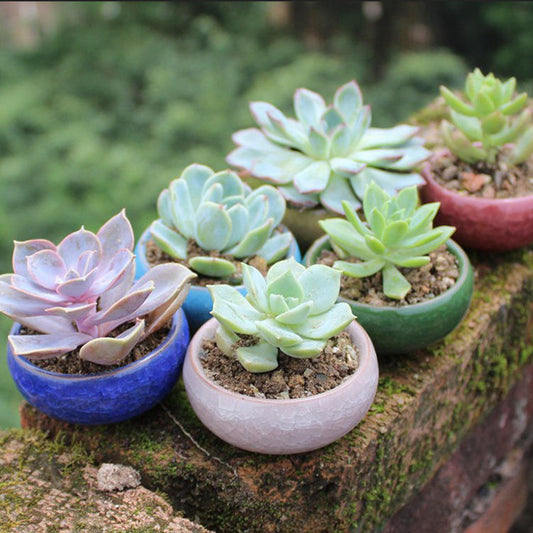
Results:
x,y
292,309
261,357
299,154
213,267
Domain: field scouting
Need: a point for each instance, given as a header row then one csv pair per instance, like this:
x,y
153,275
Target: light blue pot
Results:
x,y
198,304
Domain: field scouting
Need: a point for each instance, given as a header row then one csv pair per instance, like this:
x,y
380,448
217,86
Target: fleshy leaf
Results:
x,y
305,349
276,335
45,346
225,339
109,350
394,283
215,267
328,324
213,226
233,310
168,240
321,286
261,357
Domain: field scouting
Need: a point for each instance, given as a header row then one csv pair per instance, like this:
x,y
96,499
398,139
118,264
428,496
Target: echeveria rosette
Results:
x,y
220,213
397,234
329,153
484,124
292,309
77,292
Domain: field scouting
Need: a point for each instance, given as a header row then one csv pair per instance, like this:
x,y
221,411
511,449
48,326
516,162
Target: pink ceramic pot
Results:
x,y
281,426
483,224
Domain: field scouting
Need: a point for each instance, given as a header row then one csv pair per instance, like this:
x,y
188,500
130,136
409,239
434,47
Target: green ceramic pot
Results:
x,y
395,330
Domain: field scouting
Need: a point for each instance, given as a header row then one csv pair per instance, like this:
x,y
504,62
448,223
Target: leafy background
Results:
x,y
109,106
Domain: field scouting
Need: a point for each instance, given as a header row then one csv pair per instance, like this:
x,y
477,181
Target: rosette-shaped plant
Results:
x,y
219,213
330,153
292,309
398,234
485,122
79,291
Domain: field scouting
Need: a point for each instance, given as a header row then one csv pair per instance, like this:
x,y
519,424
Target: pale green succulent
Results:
x,y
397,233
220,213
485,123
292,309
330,153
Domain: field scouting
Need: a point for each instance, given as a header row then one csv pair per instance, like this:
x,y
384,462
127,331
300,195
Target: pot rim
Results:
x,y
464,271
202,288
427,174
367,353
176,327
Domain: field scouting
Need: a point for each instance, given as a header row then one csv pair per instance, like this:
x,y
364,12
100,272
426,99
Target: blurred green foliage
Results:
x,y
111,107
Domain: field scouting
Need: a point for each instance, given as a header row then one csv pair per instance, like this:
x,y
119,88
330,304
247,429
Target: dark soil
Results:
x,y
427,282
294,378
156,256
70,363
481,179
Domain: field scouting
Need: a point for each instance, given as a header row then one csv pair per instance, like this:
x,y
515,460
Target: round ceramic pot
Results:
x,y
495,225
281,426
198,304
110,396
304,224
396,330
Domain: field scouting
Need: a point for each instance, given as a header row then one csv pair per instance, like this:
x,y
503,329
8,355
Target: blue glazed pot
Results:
x,y
108,397
198,304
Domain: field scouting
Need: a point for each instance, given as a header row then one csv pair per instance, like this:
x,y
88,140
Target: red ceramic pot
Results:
x,y
495,225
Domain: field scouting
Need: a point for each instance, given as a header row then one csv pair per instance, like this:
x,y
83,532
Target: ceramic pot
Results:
x,y
110,396
281,426
198,304
495,225
304,224
396,330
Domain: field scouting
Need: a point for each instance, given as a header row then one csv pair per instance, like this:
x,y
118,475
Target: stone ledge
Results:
x,y
46,486
426,403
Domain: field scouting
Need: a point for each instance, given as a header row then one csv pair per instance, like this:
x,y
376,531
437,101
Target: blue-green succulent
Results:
x,y
294,309
219,213
328,154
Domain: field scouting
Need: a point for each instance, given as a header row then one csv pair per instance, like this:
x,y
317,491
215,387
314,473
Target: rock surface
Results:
x,y
46,487
427,402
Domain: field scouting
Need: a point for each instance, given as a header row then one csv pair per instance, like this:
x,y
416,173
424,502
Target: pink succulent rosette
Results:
x,y
79,291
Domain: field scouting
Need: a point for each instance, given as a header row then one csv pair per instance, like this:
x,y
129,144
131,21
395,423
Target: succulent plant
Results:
x,y
219,212
485,122
79,291
330,153
292,309
398,234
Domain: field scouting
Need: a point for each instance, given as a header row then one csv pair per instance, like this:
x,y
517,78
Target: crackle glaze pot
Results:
x,y
198,304
281,426
396,330
495,225
108,397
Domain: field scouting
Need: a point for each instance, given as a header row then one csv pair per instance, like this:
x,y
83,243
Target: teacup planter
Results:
x,y
224,221
327,155
396,329
110,396
484,180
291,314
89,346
